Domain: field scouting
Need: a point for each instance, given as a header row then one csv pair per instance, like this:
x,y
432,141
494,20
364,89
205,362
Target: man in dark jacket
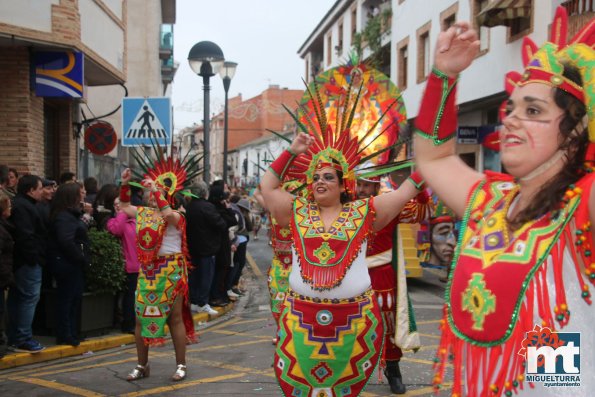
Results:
x,y
219,196
204,228
29,257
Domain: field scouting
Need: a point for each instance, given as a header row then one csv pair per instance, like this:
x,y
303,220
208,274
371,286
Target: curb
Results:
x,y
12,360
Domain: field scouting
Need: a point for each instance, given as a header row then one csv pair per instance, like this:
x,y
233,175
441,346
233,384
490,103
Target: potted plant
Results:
x,y
103,279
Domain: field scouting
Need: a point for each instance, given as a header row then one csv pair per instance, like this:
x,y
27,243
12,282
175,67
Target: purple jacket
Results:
x,y
125,228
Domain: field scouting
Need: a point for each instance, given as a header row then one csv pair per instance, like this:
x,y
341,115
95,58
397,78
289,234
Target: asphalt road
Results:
x,y
233,357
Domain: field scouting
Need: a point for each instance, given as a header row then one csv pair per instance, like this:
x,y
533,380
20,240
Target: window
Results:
x,y
402,63
423,52
353,24
520,27
448,17
482,31
329,49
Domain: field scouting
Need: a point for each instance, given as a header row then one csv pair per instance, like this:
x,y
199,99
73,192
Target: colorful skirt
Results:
x,y
328,347
279,282
160,283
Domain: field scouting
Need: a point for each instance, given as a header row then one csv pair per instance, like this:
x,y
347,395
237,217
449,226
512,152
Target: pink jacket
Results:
x,y
125,228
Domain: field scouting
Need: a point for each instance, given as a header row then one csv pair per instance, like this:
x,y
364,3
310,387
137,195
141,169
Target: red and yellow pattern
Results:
x,y
328,347
326,255
499,283
278,281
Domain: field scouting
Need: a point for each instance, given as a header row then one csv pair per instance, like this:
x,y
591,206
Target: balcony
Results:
x,y
166,41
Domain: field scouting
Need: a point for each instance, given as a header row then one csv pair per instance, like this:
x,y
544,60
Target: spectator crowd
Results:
x,y
44,241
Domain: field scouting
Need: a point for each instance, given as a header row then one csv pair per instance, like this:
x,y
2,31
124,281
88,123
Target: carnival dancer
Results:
x,y
278,274
523,265
382,261
162,288
330,334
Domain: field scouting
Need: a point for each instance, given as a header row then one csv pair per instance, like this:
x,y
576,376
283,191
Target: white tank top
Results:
x,y
356,280
172,241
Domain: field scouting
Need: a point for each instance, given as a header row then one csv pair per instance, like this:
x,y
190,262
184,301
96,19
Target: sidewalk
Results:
x,y
90,345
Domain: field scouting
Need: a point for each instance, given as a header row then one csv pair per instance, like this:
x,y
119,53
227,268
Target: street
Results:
x,y
232,358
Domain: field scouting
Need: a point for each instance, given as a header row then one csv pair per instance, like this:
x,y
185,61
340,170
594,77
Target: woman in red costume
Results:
x,y
330,335
162,289
523,267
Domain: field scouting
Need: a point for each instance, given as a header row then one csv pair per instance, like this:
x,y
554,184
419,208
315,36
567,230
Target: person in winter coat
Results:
x,y
68,255
6,248
124,228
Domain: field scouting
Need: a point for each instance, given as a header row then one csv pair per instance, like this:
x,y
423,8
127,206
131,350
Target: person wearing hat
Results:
x,y
523,269
382,267
437,239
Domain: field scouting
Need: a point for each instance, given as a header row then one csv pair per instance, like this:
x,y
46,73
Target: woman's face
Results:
x,y
12,179
530,135
326,186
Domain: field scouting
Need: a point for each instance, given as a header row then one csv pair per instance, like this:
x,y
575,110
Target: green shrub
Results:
x,y
106,272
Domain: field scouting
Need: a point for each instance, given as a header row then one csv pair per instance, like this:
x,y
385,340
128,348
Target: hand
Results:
x,y
456,48
88,208
301,143
126,176
149,184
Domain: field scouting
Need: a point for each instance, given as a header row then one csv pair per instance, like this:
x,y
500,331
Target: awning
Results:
x,y
503,12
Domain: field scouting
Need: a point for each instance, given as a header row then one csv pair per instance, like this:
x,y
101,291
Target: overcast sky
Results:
x,y
262,36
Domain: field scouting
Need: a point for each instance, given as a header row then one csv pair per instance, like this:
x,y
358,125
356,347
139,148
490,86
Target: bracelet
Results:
x,y
125,193
162,203
437,118
282,163
417,180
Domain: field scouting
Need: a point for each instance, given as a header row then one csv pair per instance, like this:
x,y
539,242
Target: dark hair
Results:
x,y
66,176
90,184
574,142
3,174
106,197
216,193
68,196
27,183
14,171
344,197
234,198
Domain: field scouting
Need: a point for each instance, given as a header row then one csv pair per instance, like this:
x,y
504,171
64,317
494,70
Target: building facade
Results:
x,y
404,33
111,42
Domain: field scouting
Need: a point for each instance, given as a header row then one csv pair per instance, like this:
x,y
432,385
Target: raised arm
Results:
x,y
125,206
389,205
278,201
171,217
258,196
436,124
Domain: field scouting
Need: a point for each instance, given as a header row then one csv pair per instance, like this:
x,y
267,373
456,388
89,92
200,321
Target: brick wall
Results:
x,y
21,114
22,133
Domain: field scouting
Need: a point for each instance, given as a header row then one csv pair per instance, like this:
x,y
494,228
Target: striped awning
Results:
x,y
503,12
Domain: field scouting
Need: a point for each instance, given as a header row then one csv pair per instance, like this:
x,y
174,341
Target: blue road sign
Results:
x,y
146,120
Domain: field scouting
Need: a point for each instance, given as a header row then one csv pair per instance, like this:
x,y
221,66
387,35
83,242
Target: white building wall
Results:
x,y
143,69
485,77
31,14
101,33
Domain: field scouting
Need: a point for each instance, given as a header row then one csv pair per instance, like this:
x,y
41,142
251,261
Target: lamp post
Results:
x,y
227,72
205,59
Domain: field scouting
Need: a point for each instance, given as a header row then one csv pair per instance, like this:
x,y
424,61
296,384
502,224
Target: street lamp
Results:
x,y
205,59
226,72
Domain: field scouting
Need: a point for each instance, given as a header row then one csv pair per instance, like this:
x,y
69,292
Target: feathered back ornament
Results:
x,y
170,174
546,64
355,114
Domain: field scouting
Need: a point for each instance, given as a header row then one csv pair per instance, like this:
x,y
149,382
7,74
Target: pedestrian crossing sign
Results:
x,y
146,121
